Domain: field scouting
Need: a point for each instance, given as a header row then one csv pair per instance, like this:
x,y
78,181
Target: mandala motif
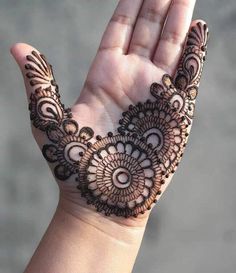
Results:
x,y
120,175
160,127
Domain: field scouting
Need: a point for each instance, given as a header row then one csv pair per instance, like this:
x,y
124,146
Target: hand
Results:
x,y
121,164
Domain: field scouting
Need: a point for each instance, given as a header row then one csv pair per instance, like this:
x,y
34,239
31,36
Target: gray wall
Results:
x,y
193,227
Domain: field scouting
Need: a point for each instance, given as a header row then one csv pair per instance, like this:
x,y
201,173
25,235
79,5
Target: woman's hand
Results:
x,y
116,150
121,142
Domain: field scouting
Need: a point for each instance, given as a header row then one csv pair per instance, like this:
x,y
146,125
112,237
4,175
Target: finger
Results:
x,y
36,71
189,71
42,91
190,67
56,133
182,92
148,27
120,28
170,46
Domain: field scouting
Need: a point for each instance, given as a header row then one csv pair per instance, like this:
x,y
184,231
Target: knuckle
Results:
x,y
152,14
122,19
173,37
140,49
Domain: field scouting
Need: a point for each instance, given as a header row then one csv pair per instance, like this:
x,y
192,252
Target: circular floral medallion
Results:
x,y
120,175
161,127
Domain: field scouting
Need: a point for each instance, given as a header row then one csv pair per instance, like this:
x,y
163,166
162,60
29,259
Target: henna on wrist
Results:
x,y
123,172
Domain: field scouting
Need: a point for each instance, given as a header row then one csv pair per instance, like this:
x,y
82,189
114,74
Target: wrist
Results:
x,y
103,242
126,230
77,241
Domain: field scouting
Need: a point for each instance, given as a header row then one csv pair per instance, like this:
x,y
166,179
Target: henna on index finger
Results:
x,y
191,65
183,90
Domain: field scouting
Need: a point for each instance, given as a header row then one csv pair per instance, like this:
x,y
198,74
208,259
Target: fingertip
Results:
x,y
20,47
19,51
193,57
199,31
199,22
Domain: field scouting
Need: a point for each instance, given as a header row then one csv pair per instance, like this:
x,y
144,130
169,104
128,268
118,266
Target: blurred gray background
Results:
x,y
193,229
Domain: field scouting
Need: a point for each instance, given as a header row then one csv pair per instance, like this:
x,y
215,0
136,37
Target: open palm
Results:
x,y
122,162
143,41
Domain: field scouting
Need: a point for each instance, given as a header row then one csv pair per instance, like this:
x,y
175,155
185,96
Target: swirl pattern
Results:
x,y
191,64
46,109
182,92
181,101
67,150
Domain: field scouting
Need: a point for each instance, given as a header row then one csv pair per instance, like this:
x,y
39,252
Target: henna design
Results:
x,y
120,173
179,100
182,92
46,109
69,149
45,106
191,65
40,72
49,114
160,127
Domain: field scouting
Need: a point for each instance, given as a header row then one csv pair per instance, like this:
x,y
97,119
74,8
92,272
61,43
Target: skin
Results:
x,y
143,41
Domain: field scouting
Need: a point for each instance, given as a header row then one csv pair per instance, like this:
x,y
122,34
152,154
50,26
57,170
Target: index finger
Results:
x,y
172,40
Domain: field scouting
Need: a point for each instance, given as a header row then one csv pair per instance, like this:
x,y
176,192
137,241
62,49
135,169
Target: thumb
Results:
x,y
56,133
41,88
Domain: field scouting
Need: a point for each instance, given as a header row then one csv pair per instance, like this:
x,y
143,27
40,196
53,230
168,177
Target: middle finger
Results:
x,y
148,27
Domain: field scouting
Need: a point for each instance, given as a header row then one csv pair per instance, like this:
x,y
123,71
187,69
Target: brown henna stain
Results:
x,y
123,172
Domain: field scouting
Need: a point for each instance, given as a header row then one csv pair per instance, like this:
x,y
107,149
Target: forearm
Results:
x,y
72,244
